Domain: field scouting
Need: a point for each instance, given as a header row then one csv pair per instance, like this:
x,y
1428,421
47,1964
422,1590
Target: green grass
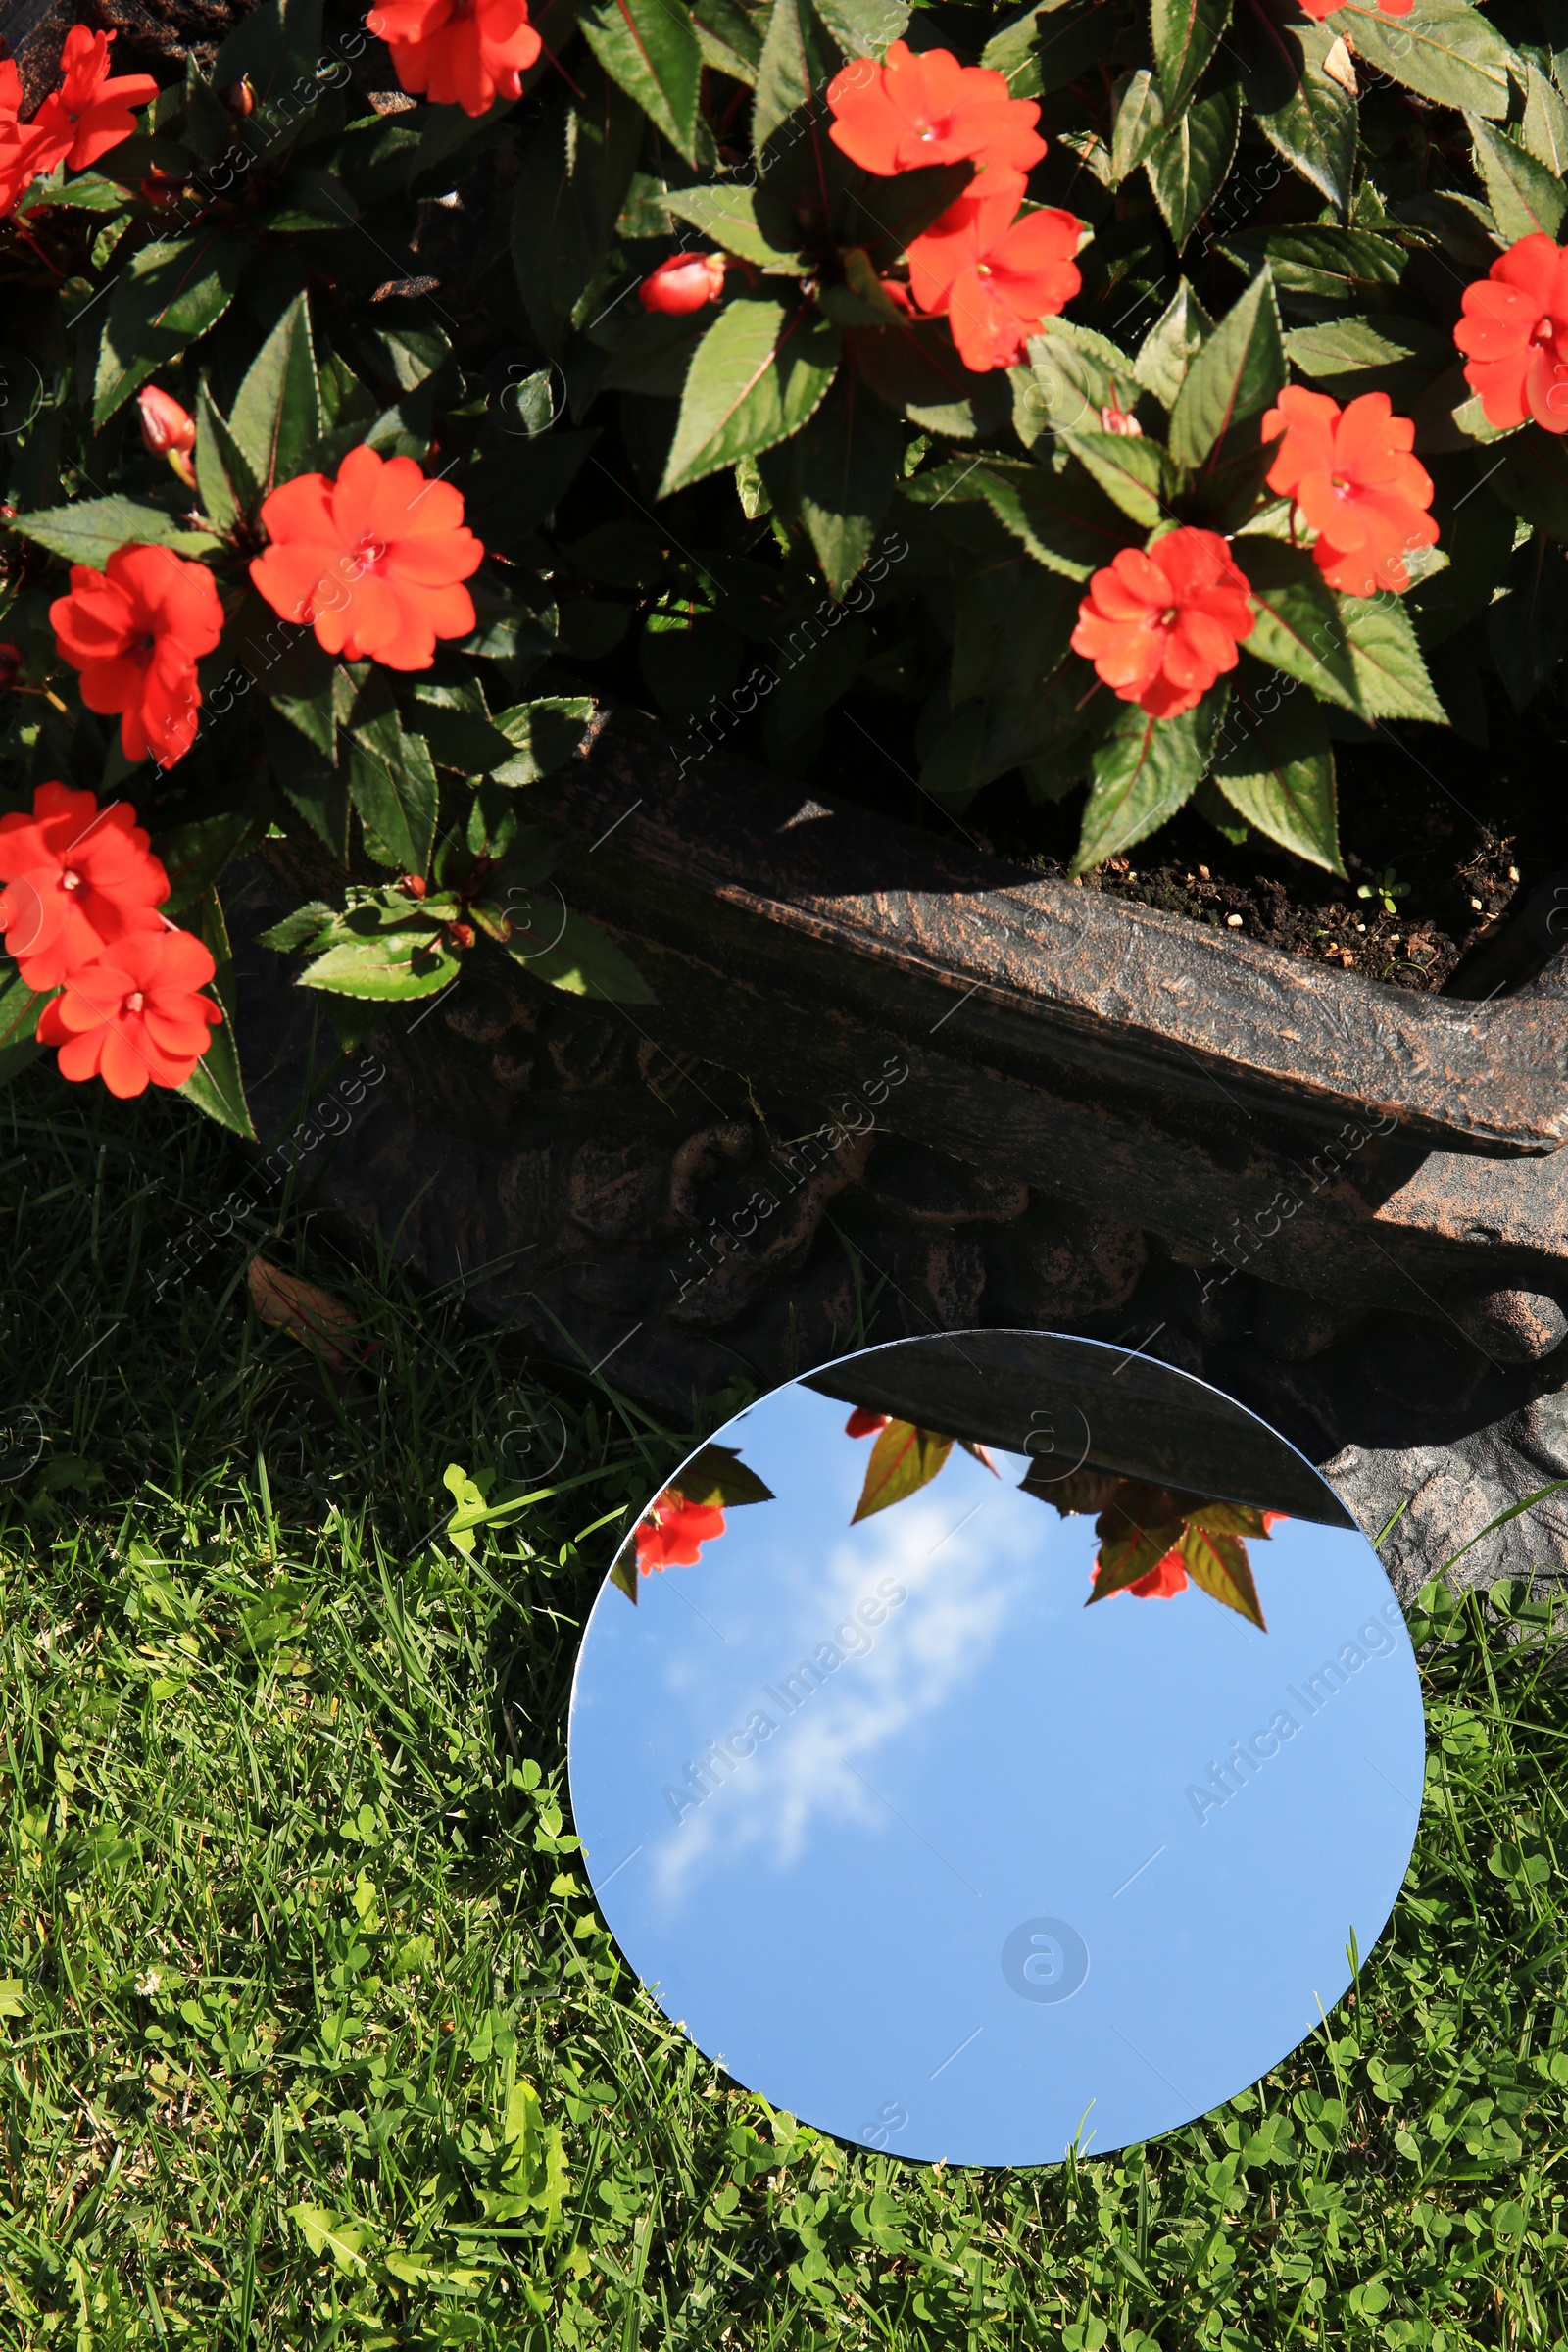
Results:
x,y
312,2033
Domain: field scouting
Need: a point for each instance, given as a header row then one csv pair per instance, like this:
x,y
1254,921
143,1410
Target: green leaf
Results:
x,y
384,963
797,62
729,40
845,462
195,856
1239,372
1061,516
578,956
215,1084
1533,479
1275,766
1138,124
1216,1561
756,375
916,370
1048,46
716,1475
1334,264
327,2233
1306,116
1133,471
1014,694
1298,624
222,476
1143,771
19,1008
275,422
1390,677
1173,344
393,786
864,28
89,531
1526,198
1545,128
902,1461
164,299
650,47
576,166
546,734
1073,375
1185,34
1526,626
728,215
1187,164
1446,51
1382,354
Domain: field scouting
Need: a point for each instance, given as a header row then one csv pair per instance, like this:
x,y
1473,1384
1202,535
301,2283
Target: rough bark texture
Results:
x,y
668,1226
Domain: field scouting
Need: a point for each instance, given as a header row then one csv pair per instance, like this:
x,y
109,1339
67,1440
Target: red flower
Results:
x,y
1351,474
89,113
674,1531
864,1423
78,878
1162,1582
22,151
373,561
687,282
1317,10
1161,624
928,108
134,1014
996,277
135,631
463,53
1514,334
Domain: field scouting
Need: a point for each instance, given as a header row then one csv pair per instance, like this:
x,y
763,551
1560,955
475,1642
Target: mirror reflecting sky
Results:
x,y
940,1858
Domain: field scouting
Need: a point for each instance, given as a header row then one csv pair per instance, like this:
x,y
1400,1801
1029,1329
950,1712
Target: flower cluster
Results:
x,y
466,53
994,272
75,124
80,913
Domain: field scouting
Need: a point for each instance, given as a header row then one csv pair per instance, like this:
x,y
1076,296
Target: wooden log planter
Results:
x,y
888,1086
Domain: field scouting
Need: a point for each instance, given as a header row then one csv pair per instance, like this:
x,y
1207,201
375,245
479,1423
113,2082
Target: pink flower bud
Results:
x,y
687,282
165,425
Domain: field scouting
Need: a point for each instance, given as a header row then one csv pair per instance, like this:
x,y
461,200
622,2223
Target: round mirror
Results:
x,y
993,1743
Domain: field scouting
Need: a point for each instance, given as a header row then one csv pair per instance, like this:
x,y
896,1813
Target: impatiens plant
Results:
x,y
1122,396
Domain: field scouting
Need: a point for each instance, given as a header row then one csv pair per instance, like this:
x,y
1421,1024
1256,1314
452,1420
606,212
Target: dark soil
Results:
x,y
1461,836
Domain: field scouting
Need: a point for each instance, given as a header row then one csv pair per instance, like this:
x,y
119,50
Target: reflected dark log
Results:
x,y
1071,1403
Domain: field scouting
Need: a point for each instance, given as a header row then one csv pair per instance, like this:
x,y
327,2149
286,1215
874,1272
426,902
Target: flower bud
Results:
x,y
161,191
413,886
165,425
458,935
239,97
12,665
687,282
1114,418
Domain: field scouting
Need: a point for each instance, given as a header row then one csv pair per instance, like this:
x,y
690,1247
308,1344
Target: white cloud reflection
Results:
x,y
960,1553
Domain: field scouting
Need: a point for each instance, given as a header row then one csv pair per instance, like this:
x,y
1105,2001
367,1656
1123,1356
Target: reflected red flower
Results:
x,y
1514,334
1354,478
674,1531
78,878
1163,1582
687,282
135,1016
997,278
1160,625
926,108
466,53
864,1423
